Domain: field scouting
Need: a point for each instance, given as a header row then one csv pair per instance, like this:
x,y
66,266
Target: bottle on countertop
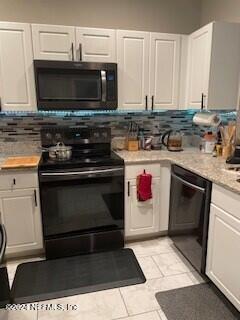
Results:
x,y
208,142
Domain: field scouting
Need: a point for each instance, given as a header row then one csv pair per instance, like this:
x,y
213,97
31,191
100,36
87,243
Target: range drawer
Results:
x,y
18,180
226,200
132,171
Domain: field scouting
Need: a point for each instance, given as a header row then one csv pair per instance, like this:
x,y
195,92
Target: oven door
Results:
x,y
77,202
75,85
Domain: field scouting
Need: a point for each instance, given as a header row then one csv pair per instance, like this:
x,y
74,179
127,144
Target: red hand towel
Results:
x,y
144,186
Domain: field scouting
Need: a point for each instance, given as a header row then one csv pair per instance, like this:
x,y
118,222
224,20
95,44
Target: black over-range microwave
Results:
x,y
69,85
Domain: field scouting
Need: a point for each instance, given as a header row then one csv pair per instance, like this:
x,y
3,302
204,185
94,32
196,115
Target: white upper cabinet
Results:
x,y
164,70
69,43
53,42
17,89
214,66
133,69
199,65
97,45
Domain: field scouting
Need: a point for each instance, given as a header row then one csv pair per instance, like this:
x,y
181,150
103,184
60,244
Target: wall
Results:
x,y
172,16
226,10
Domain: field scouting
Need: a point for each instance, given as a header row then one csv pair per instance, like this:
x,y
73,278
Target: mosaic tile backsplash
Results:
x,y
20,132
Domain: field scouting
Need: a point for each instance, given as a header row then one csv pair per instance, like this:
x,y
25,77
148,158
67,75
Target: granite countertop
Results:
x,y
192,159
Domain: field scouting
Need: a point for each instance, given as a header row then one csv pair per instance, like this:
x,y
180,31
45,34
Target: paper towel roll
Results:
x,y
207,119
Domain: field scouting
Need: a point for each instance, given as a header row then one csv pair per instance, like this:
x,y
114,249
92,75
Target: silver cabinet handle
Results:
x,y
203,106
188,184
80,51
72,49
104,85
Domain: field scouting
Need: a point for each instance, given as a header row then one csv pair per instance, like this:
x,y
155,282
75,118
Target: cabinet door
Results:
x,y
97,45
142,217
164,70
223,260
53,42
133,69
200,43
17,89
20,213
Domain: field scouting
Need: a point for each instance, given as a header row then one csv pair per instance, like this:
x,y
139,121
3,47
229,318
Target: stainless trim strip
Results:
x,y
104,85
188,183
80,173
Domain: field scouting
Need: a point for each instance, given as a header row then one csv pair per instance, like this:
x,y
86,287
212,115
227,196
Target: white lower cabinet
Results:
x,y
223,259
141,217
20,214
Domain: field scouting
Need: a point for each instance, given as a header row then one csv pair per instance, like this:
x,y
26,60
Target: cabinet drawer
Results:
x,y
132,171
226,200
18,180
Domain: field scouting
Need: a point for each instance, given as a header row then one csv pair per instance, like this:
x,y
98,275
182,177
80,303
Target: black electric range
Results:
x,y
82,199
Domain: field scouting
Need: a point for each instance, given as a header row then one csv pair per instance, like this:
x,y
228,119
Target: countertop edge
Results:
x,y
185,166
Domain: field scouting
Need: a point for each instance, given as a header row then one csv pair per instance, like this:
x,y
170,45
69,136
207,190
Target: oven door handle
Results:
x,y
104,85
188,184
90,173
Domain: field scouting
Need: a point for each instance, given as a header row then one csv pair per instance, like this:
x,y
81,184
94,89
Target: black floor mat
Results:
x,y
43,280
4,288
198,302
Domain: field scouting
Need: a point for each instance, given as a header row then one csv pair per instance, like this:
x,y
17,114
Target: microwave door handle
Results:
x,y
104,85
188,184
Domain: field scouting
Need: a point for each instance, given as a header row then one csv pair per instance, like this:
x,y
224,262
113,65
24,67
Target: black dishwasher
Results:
x,y
189,215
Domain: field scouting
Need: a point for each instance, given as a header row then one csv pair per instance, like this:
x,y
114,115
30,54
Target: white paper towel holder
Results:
x,y
206,118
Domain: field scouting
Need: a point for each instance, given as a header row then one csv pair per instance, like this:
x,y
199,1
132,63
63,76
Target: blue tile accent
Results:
x,y
25,126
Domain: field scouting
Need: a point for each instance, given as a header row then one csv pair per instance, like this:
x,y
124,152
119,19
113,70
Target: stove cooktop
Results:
x,y
80,162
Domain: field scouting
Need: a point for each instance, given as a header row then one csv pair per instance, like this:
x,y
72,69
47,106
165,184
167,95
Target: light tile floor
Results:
x,y
164,267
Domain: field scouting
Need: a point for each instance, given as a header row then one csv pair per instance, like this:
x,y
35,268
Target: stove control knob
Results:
x,y
58,136
96,135
48,136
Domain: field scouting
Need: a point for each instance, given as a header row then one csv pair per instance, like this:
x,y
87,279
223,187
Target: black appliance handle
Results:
x,y
166,134
104,85
80,52
146,102
4,242
82,174
72,49
188,184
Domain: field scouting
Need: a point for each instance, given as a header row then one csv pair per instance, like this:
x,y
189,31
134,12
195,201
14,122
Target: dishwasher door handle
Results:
x,y
189,184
